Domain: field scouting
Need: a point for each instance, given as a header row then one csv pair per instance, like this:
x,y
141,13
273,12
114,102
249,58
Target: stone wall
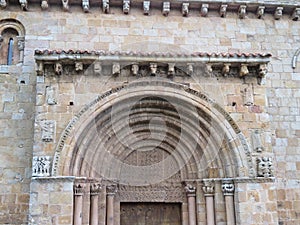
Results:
x,y
276,101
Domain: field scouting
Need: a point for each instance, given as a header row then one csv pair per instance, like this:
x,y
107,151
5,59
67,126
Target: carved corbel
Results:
x,y
190,68
116,68
166,8
58,68
171,69
278,13
185,9
146,7
65,4
135,69
209,68
296,14
24,5
263,70
97,68
44,4
264,167
242,11
260,12
3,4
105,6
40,68
244,70
86,6
226,69
204,9
78,66
153,68
223,10
126,6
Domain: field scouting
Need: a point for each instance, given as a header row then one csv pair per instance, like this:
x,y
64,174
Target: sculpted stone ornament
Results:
x,y
278,13
50,96
204,10
190,190
208,187
190,68
111,189
21,43
126,6
116,69
242,11
244,70
97,68
223,11
185,9
58,68
248,96
171,69
78,66
65,4
79,189
135,69
48,130
296,14
260,12
24,5
256,141
166,8
86,6
153,68
40,68
146,7
226,69
41,166
264,167
95,188
3,4
44,4
227,187
105,6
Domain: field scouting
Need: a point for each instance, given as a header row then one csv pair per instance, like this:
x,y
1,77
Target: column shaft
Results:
x,y
94,210
210,210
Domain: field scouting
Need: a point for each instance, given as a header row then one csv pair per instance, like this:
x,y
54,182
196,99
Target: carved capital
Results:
x,y
204,9
146,7
126,6
227,187
223,10
278,13
190,189
264,167
111,190
41,166
166,8
260,12
185,9
95,188
79,189
208,187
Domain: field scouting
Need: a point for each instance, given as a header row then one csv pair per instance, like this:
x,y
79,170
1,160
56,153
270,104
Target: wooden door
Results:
x,y
150,214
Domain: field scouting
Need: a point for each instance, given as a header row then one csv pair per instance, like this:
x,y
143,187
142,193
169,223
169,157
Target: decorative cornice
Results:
x,y
238,6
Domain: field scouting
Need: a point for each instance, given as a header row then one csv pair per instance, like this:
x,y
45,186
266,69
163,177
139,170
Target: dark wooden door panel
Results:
x,y
150,214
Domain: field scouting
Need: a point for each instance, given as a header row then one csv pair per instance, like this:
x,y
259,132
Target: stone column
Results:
x,y
78,199
110,194
94,190
191,196
209,191
228,191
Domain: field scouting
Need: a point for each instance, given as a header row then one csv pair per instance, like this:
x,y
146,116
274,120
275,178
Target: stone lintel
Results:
x,y
236,180
54,179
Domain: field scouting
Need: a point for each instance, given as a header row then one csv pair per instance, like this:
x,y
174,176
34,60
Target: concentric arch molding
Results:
x,y
235,136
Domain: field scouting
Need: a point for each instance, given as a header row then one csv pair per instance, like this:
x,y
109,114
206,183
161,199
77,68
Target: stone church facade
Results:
x,y
150,112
